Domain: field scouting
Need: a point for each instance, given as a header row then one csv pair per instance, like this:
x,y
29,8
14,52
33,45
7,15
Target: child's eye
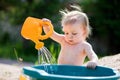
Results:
x,y
74,33
66,33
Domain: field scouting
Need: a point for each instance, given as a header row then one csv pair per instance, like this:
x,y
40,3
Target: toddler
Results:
x,y
74,47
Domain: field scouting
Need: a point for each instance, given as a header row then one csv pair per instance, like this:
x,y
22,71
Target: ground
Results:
x,y
11,70
111,61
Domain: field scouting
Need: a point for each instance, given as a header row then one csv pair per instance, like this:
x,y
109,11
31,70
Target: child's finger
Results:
x,y
46,20
91,65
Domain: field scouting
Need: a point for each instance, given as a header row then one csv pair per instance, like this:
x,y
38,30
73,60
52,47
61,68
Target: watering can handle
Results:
x,y
42,37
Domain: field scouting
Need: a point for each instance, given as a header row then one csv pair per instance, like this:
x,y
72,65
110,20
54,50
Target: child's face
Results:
x,y
74,33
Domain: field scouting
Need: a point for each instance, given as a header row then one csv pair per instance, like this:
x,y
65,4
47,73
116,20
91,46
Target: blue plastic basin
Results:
x,y
69,72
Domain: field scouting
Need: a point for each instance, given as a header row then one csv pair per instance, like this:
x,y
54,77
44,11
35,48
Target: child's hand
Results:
x,y
91,64
46,27
46,20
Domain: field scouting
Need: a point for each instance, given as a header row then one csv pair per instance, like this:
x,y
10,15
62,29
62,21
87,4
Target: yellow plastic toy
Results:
x,y
32,30
22,77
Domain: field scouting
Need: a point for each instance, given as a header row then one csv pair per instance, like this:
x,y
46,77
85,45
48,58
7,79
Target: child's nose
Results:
x,y
70,36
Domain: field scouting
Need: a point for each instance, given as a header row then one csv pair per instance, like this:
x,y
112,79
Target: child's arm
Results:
x,y
55,36
92,56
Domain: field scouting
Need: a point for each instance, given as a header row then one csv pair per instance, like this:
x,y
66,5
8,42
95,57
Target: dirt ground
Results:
x,y
11,70
111,61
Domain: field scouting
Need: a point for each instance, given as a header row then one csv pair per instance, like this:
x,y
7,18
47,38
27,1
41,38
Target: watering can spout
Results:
x,y
32,30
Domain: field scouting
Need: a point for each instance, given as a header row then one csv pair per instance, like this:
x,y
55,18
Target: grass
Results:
x,y
16,52
6,51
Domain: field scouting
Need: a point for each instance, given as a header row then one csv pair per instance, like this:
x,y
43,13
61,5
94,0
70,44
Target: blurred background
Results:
x,y
104,17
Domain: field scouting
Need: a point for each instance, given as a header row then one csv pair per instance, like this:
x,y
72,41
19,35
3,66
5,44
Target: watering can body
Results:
x,y
32,30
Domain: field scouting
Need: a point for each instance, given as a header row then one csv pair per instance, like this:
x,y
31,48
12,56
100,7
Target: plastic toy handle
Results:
x,y
42,37
23,77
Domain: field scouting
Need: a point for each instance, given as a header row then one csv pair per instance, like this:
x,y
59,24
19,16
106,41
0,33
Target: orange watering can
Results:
x,y
32,30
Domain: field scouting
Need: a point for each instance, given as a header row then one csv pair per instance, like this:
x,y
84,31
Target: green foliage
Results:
x,y
5,38
104,18
19,10
5,51
15,50
54,49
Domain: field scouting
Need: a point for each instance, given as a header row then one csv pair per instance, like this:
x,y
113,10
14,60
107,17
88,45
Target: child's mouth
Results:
x,y
70,41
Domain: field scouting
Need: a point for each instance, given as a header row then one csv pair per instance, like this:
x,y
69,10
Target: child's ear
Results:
x,y
84,32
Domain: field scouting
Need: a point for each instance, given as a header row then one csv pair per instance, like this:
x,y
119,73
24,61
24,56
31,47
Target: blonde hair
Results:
x,y
76,16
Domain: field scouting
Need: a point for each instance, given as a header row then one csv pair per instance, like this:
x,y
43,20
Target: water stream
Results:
x,y
45,57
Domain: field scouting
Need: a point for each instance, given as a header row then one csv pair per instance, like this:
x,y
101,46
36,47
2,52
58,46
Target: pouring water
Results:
x,y
44,56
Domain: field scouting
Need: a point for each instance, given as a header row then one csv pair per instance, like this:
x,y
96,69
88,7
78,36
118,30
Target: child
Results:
x,y
74,47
